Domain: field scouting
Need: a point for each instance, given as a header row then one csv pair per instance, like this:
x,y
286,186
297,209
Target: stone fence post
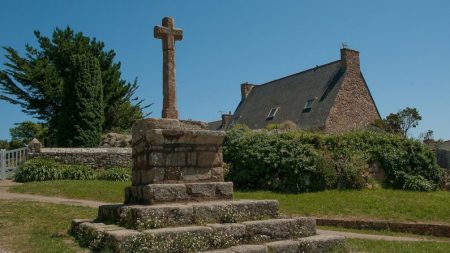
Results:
x,y
34,146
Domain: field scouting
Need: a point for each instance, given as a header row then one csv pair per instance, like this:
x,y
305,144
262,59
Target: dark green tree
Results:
x,y
35,81
24,132
82,118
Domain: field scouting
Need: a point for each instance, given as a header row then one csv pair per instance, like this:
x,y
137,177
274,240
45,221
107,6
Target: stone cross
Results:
x,y
169,34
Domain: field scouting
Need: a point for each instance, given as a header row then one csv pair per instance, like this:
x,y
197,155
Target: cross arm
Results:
x,y
177,34
159,31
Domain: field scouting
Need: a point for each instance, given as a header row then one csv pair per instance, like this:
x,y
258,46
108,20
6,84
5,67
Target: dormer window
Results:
x,y
308,105
272,113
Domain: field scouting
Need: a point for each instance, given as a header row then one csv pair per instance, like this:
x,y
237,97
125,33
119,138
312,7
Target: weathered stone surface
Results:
x,y
177,231
97,158
210,236
113,140
219,251
202,190
280,228
217,174
169,34
250,249
115,239
288,246
35,146
163,215
166,193
321,243
224,190
226,235
353,106
234,211
210,159
193,174
176,154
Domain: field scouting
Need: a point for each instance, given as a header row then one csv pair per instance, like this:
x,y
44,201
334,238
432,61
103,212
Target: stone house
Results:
x,y
333,98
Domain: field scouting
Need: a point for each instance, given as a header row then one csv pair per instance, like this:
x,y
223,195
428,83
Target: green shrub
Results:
x,y
78,172
45,170
299,161
271,162
414,183
38,170
115,174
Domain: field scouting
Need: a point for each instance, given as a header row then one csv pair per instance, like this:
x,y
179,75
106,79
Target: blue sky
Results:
x,y
404,47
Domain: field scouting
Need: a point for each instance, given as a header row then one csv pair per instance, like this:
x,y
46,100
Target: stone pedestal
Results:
x,y
178,202
176,161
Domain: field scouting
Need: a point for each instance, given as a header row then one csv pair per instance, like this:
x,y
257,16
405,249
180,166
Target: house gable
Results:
x,y
353,106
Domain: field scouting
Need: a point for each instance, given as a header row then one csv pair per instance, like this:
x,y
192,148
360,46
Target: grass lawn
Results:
x,y
100,190
32,227
38,227
372,246
371,204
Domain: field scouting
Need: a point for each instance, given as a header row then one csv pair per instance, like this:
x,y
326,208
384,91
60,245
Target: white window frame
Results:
x,y
272,113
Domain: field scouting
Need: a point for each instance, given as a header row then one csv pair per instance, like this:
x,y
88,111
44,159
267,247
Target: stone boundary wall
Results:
x,y
404,227
97,158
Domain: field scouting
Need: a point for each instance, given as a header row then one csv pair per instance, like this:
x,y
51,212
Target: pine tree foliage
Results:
x,y
82,118
36,81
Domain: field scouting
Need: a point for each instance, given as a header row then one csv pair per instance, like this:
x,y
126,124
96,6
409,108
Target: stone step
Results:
x,y
311,244
151,194
142,217
189,238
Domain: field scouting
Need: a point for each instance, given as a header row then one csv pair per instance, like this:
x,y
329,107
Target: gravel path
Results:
x,y
373,237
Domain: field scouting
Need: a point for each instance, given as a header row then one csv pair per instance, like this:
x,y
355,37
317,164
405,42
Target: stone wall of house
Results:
x,y
354,107
98,158
443,158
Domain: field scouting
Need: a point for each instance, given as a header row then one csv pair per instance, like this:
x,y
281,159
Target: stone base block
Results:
x,y
112,238
167,193
265,230
312,244
157,216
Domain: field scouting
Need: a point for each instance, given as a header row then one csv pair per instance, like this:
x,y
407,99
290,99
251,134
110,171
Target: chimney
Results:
x,y
245,90
226,120
350,61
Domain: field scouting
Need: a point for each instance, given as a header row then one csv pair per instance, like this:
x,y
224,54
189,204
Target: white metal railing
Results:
x,y
10,160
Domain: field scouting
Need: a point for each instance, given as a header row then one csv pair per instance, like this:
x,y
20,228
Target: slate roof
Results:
x,y
290,94
215,125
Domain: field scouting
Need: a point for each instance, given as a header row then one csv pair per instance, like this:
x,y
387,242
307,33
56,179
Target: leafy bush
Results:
x,y
299,161
46,170
266,161
38,170
78,172
115,174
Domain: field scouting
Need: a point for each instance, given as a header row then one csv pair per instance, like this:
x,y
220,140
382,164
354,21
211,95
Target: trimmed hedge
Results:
x,y
46,170
298,161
